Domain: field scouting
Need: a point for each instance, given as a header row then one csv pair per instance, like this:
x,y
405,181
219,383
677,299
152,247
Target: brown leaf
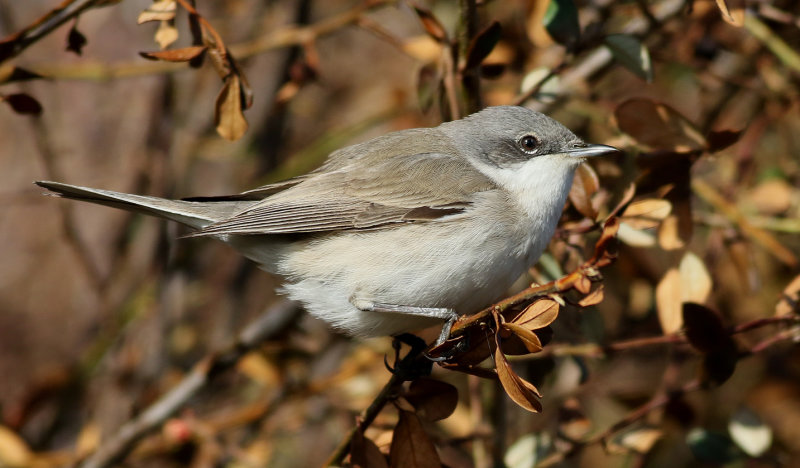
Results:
x,y
721,139
431,23
593,298
719,366
175,55
23,103
704,328
584,185
411,446
482,44
228,116
75,40
519,390
790,298
433,399
669,236
539,314
658,126
19,74
365,454
528,337
159,10
732,11
646,214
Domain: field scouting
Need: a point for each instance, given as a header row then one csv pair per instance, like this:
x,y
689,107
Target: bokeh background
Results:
x,y
102,312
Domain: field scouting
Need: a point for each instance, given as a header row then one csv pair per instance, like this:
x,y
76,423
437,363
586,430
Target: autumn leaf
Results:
x,y
228,116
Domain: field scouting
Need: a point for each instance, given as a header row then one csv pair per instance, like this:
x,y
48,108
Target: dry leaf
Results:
x,y
432,399
539,314
228,116
645,214
593,298
431,24
175,55
159,10
166,34
635,237
658,126
519,390
695,279
690,282
669,237
668,302
584,185
732,11
22,103
364,453
423,48
528,338
411,446
788,304
14,452
638,440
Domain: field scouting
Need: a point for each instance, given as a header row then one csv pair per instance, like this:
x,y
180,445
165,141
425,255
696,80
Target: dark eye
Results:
x,y
528,143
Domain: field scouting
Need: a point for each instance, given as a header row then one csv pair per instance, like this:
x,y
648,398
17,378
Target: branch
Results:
x,y
269,324
289,36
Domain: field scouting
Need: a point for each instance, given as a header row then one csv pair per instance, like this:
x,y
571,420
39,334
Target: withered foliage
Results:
x,y
660,327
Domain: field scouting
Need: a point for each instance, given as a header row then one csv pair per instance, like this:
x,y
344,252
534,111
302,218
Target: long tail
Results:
x,y
196,214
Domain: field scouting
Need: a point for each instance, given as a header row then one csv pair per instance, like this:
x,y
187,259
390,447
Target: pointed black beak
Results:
x,y
588,151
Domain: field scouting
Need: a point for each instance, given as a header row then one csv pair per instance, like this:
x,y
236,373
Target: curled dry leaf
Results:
x,y
159,10
658,126
528,337
593,298
228,115
584,185
518,389
175,55
432,399
539,314
411,447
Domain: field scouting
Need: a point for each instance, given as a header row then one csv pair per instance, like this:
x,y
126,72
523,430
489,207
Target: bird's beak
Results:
x,y
588,151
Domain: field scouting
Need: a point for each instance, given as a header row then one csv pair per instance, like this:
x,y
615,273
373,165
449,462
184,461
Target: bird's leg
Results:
x,y
448,315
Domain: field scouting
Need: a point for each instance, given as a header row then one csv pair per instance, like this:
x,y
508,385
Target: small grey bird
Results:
x,y
404,230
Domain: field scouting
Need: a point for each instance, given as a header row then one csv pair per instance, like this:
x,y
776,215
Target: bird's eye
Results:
x,y
529,143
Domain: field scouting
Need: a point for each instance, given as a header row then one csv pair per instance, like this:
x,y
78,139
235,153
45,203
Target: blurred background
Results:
x,y
102,312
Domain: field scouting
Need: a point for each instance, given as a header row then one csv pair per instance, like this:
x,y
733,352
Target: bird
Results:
x,y
401,232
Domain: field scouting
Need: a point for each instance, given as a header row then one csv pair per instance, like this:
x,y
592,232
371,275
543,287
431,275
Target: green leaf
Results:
x,y
631,54
561,22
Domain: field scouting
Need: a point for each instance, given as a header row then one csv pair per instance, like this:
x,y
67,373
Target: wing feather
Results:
x,y
389,182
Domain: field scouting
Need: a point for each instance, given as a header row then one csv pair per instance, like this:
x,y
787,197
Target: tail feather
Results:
x,y
191,213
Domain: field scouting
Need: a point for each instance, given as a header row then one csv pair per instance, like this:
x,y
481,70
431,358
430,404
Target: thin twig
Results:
x,y
289,36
